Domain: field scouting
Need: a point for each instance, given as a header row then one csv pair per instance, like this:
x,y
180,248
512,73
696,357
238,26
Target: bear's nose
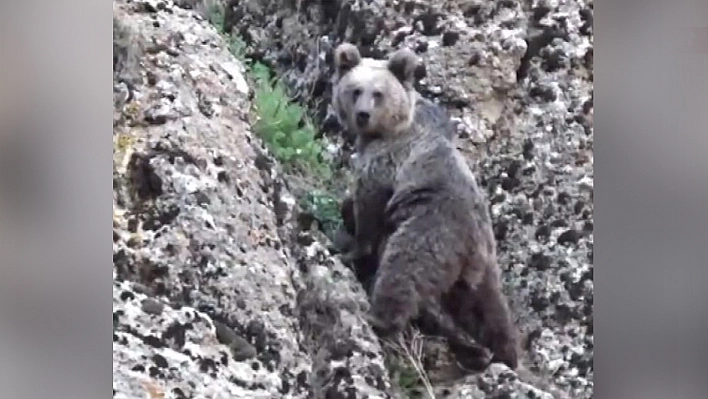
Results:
x,y
362,118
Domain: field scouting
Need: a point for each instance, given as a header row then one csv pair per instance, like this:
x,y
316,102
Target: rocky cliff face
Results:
x,y
216,291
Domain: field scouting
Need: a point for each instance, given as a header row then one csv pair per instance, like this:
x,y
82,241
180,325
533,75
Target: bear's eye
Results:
x,y
356,93
378,95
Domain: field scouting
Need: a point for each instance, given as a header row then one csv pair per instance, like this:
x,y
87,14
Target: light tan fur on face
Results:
x,y
381,88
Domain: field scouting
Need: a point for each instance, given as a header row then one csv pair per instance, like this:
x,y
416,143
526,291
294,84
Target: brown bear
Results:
x,y
418,213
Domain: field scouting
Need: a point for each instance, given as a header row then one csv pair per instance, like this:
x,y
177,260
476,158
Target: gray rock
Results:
x,y
212,247
152,306
240,348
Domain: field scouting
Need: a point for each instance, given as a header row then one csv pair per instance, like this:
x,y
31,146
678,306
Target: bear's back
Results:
x,y
437,167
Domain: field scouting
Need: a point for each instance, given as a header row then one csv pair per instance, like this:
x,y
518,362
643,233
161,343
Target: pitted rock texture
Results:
x,y
215,295
518,77
496,382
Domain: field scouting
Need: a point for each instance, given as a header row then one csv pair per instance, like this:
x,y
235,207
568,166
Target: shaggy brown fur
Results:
x,y
429,116
418,212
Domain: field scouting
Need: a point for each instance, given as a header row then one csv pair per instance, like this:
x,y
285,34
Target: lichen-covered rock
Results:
x,y
215,295
518,77
496,382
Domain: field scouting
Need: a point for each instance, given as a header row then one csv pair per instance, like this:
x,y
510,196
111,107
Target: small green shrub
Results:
x,y
325,209
238,48
285,126
288,132
216,16
405,377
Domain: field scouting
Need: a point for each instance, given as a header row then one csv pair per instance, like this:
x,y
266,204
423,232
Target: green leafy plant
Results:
x,y
287,131
404,362
238,48
405,376
215,13
285,126
324,207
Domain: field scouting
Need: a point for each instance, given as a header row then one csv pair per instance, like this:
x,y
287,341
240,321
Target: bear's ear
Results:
x,y
402,64
346,57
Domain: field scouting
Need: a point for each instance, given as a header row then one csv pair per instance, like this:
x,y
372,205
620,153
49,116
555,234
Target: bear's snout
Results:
x,y
362,118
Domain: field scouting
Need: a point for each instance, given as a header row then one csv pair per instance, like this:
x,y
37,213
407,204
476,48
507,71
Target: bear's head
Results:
x,y
374,97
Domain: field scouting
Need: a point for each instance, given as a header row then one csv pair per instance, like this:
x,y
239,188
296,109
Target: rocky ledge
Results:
x,y
217,293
